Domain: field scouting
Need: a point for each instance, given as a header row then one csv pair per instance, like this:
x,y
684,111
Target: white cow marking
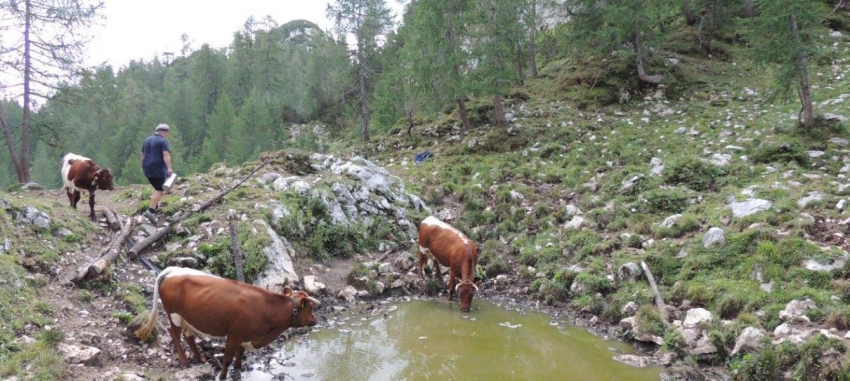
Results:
x,y
178,271
431,220
248,346
188,328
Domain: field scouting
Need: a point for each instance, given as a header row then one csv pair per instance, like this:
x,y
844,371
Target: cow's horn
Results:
x,y
476,287
457,286
315,301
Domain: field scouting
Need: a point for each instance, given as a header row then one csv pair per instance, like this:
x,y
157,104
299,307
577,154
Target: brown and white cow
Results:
x,y
247,316
80,173
447,246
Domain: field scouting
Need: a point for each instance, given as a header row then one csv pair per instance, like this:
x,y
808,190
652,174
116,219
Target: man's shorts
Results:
x,y
157,182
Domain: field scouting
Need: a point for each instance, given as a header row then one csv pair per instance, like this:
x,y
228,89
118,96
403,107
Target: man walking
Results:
x,y
156,164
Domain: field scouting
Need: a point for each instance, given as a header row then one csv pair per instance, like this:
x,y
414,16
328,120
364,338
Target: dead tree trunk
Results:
x,y
659,301
640,58
689,13
112,219
99,264
182,215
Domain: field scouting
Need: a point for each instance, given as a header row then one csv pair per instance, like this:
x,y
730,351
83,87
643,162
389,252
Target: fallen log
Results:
x,y
659,301
112,218
182,215
102,261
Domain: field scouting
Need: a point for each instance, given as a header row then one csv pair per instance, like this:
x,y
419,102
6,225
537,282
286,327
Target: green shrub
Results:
x,y
650,321
785,152
670,201
762,365
687,224
694,173
51,337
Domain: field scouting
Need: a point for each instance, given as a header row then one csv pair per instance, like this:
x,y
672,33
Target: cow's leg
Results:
x,y
91,207
423,259
75,199
175,332
437,269
237,362
70,193
452,283
230,348
193,346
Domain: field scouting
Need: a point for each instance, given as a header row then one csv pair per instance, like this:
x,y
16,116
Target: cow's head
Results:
x,y
465,289
103,179
302,308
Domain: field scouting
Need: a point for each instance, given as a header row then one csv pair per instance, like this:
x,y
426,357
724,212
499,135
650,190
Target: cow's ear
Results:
x,y
287,291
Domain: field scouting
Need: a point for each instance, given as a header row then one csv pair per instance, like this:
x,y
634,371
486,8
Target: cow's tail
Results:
x,y
144,332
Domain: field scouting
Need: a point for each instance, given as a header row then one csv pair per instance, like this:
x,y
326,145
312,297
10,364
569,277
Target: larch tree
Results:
x,y
46,47
368,22
498,42
436,32
783,36
607,26
716,15
217,146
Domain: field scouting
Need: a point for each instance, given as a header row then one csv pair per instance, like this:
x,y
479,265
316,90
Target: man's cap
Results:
x,y
162,127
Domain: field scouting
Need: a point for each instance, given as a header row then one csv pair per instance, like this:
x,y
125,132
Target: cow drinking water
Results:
x,y
447,246
247,316
80,173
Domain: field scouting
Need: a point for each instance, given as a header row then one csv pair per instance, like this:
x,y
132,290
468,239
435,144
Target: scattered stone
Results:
x,y
696,317
629,271
827,265
79,354
749,207
573,210
635,361
811,197
349,293
796,309
748,340
671,221
575,223
35,217
714,236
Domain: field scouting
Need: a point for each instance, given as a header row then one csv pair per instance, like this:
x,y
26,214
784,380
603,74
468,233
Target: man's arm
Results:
x,y
166,156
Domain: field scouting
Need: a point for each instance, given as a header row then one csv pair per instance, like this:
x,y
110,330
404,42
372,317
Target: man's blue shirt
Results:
x,y
153,163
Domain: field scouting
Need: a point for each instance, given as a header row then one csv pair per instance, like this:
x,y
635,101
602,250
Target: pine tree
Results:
x,y
603,27
367,21
783,33
48,52
435,32
498,47
217,145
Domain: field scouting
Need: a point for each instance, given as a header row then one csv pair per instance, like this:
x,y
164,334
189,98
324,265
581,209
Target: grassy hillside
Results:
x,y
584,143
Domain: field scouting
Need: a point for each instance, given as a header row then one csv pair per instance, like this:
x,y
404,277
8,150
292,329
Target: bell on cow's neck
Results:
x,y
169,182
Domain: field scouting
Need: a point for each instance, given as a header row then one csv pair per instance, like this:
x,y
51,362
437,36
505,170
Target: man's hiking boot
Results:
x,y
150,216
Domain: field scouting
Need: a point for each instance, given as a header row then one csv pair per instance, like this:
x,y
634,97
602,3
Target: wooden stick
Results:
x,y
236,252
659,301
99,264
180,216
112,218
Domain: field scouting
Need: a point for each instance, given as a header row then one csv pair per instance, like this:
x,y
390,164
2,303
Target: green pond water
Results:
x,y
434,340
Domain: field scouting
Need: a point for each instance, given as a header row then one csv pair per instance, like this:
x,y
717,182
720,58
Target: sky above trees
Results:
x,y
134,30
